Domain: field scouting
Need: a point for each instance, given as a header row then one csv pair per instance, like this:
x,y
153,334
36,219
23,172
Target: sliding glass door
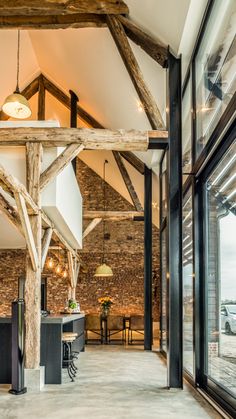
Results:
x,y
219,209
188,284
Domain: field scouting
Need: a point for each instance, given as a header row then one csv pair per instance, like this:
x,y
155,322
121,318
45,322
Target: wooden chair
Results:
x,y
136,324
115,325
93,324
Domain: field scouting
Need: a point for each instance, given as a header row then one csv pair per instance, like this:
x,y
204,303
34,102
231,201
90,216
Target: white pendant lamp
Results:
x,y
16,105
104,270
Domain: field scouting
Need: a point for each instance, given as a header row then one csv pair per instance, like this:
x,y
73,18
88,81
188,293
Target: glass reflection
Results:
x,y
215,69
221,268
188,286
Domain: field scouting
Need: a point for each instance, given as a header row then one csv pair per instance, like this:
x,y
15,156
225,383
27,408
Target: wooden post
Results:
x,y
33,278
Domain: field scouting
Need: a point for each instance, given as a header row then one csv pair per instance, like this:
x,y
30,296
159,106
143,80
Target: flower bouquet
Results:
x,y
105,303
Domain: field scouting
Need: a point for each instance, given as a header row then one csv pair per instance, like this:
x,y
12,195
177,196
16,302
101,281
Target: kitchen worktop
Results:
x,y
52,318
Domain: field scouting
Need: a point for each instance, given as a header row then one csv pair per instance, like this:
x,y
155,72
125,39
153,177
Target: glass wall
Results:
x,y
215,69
163,244
188,286
220,272
163,292
186,131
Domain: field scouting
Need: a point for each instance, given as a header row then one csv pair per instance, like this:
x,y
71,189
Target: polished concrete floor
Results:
x,y
113,383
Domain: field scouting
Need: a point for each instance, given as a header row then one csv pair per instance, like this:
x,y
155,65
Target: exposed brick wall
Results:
x,y
124,253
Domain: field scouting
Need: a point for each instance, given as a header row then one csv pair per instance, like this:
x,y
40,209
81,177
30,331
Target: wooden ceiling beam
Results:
x,y
45,245
153,48
61,7
65,100
75,21
92,139
127,181
27,229
14,186
147,100
10,213
112,215
133,160
59,164
91,226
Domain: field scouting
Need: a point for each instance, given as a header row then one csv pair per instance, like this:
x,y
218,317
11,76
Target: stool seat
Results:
x,y
68,339
75,335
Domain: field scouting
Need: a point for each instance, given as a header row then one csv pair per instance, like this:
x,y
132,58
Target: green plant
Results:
x,y
72,304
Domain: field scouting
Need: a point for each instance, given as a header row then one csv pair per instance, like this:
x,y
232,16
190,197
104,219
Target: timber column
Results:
x,y
33,277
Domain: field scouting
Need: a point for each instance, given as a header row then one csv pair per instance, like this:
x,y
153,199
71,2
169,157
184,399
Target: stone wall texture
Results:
x,y
124,252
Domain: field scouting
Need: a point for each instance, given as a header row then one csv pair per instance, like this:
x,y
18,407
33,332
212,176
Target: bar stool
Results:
x,y
68,356
75,354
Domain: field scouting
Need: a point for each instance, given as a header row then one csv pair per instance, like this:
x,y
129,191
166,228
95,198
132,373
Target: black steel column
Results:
x,y
17,352
147,258
73,116
174,224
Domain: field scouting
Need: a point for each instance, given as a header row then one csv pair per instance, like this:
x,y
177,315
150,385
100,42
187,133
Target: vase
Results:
x,y
105,312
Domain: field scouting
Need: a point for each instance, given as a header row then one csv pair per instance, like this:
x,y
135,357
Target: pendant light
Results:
x,y
16,105
104,270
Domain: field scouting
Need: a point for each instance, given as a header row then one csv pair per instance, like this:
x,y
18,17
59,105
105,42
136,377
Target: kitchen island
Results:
x,y
51,350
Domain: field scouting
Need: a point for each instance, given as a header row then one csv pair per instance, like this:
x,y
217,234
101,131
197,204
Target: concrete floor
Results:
x,y
113,383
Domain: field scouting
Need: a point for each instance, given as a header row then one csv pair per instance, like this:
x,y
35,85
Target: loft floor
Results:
x,y
113,383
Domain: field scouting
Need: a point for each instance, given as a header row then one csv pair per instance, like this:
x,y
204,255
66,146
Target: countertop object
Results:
x,y
52,318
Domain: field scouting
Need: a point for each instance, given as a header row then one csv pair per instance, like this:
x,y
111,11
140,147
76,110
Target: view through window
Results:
x,y
221,273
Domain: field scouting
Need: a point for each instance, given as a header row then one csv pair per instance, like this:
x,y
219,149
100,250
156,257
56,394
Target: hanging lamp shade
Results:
x,y
17,106
103,270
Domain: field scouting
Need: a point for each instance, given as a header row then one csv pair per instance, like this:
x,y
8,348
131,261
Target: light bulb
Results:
x,y
58,269
50,263
64,274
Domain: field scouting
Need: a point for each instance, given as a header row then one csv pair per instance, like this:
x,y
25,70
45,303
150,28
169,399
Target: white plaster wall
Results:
x,y
61,199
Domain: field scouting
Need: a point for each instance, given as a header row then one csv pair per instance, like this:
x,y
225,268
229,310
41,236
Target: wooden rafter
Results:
x,y
112,215
62,7
14,186
86,117
59,164
131,64
92,139
33,88
81,20
153,48
127,181
27,230
10,213
66,101
133,160
45,244
91,226
56,234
